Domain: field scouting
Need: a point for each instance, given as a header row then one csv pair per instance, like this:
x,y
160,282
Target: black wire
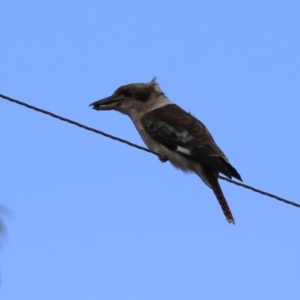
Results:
x,y
137,146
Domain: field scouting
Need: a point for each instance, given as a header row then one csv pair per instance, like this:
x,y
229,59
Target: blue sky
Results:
x,y
91,218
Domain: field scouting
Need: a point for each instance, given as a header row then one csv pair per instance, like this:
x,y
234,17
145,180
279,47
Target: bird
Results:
x,y
173,134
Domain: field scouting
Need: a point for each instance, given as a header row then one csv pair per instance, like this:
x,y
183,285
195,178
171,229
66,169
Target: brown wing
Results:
x,y
179,131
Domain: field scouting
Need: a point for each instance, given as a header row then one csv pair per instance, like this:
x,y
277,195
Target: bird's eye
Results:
x,y
127,93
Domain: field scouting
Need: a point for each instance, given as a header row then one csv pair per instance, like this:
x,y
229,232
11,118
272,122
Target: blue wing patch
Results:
x,y
166,131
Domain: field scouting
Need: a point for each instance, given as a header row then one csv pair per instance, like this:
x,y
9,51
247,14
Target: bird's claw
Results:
x,y
162,157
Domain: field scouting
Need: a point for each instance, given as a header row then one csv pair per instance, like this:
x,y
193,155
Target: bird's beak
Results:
x,y
108,103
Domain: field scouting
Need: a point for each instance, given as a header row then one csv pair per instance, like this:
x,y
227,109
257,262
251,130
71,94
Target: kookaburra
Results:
x,y
172,133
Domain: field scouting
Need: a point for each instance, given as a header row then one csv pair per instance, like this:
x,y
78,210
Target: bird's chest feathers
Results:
x,y
151,144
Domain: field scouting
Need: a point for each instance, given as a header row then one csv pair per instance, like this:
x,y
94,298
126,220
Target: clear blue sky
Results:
x,y
95,219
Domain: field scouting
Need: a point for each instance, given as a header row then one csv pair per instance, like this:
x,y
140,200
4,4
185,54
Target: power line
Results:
x,y
136,146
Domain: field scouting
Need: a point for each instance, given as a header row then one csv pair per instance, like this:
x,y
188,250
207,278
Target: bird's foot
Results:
x,y
163,158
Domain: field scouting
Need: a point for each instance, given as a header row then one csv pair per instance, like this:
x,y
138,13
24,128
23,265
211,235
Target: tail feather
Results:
x,y
212,179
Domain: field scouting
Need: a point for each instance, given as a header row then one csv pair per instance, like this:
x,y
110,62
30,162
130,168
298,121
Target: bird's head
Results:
x,y
134,98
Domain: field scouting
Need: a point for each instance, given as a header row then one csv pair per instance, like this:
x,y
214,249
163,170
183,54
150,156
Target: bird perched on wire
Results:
x,y
172,133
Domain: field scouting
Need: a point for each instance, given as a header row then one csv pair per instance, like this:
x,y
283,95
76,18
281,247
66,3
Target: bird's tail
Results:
x,y
212,179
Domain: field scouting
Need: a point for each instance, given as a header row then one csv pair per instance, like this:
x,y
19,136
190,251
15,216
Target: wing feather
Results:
x,y
179,131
